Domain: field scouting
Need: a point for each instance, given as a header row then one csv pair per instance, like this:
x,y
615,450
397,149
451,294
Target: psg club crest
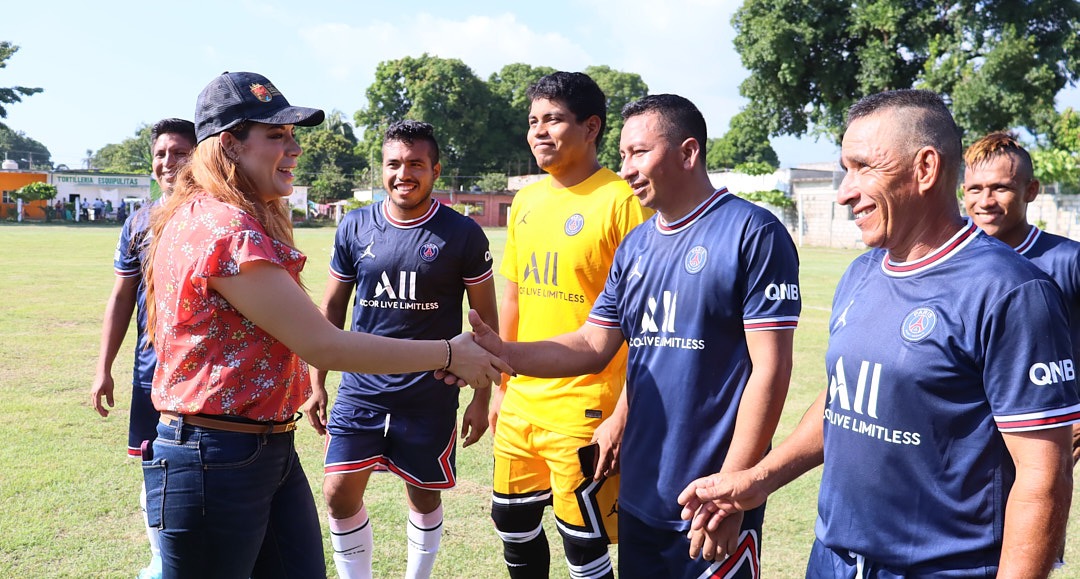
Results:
x,y
695,259
574,224
261,92
918,324
429,251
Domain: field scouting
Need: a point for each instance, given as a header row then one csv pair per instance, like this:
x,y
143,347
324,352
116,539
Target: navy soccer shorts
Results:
x,y
648,551
142,420
419,448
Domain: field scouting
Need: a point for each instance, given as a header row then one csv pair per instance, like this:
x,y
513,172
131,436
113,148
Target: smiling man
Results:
x,y
171,143
949,368
561,238
695,294
999,183
410,260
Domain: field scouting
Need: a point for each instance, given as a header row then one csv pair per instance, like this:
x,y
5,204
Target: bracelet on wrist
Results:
x,y
449,355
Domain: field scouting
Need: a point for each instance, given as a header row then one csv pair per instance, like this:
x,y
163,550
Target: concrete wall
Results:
x,y
487,209
821,222
1058,214
519,182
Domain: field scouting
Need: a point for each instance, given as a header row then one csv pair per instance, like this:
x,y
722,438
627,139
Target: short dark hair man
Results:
x,y
999,183
171,142
706,296
410,260
561,237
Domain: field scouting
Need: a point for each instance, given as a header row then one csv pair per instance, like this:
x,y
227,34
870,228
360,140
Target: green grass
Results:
x,y
68,493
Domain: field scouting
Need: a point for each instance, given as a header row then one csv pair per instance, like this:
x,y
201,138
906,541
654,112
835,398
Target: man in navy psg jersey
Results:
x,y
999,182
171,143
950,380
706,295
410,260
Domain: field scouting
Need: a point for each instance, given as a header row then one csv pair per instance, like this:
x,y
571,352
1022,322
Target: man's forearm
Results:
x,y
115,324
800,452
558,357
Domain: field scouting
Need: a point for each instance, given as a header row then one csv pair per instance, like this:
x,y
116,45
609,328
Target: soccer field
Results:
x,y
69,494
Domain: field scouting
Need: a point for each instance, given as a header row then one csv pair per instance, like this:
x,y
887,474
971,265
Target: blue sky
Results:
x,y
108,67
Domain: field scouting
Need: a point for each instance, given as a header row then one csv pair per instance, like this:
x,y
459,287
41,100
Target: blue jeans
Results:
x,y
231,505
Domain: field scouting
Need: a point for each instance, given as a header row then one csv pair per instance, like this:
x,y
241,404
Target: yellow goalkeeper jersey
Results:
x,y
559,247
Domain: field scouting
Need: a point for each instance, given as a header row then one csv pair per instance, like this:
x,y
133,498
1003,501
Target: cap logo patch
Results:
x,y
429,251
918,324
261,92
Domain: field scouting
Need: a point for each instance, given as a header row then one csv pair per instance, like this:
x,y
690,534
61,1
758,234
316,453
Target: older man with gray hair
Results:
x,y
943,426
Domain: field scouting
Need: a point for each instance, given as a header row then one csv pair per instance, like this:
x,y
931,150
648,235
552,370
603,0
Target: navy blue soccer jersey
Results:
x,y
1059,257
928,363
131,248
410,279
684,295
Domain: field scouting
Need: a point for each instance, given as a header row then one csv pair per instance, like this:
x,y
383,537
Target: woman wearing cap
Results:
x,y
232,329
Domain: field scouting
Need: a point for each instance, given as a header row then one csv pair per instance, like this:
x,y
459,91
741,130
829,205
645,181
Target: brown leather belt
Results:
x,y
171,418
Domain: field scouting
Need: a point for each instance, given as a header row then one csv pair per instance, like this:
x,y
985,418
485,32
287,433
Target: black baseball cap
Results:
x,y
235,97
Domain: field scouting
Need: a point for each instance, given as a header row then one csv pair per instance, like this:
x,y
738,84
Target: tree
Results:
x,y
330,164
480,126
445,93
489,182
132,155
337,123
746,141
30,154
1057,158
754,168
620,88
998,63
13,94
330,185
35,192
511,83
511,111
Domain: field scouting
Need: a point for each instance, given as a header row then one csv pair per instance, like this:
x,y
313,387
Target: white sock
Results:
x,y
351,538
425,534
151,532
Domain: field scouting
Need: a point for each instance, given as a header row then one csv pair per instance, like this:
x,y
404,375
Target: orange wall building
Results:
x,y
11,181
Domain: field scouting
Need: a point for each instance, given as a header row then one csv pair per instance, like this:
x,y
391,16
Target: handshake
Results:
x,y
475,358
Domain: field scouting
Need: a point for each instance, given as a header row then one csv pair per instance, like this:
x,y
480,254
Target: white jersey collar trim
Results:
x,y
940,255
1029,241
692,217
410,223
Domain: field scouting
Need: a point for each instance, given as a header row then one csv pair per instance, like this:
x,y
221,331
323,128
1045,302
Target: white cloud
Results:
x,y
488,43
485,43
683,47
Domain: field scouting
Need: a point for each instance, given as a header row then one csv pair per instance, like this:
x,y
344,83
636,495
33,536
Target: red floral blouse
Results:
x,y
211,359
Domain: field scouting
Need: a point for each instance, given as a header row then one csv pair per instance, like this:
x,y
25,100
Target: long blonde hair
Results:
x,y
210,170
